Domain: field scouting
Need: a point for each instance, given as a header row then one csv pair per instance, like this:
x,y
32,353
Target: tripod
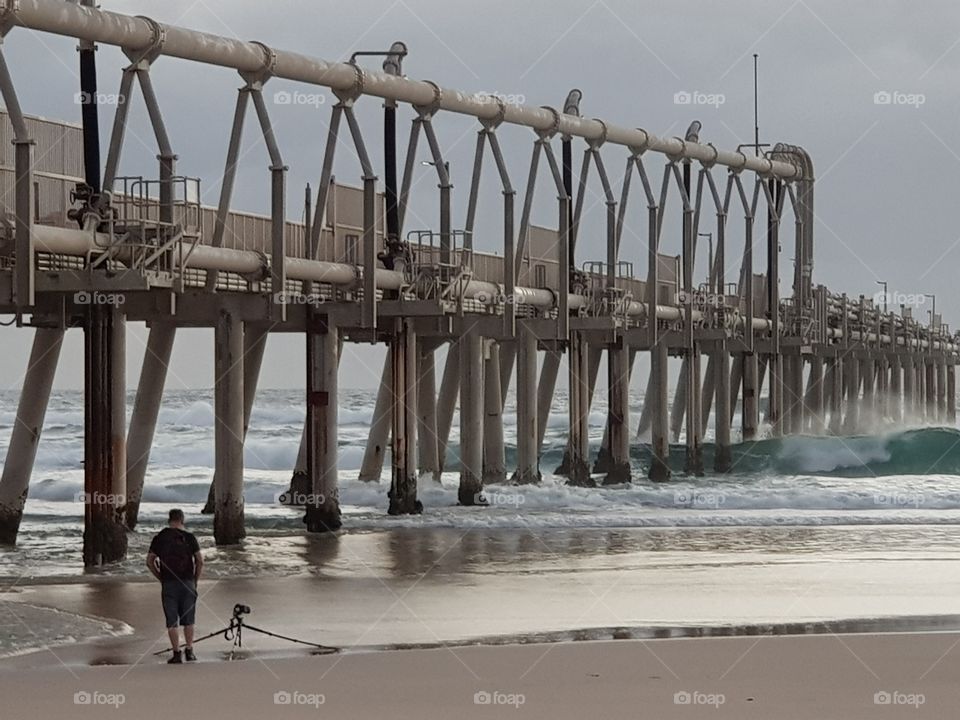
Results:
x,y
234,634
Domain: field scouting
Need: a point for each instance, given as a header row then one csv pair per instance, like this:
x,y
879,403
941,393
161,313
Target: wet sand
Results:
x,y
363,591
823,677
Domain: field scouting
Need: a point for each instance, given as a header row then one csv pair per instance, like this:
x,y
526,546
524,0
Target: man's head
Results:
x,y
176,518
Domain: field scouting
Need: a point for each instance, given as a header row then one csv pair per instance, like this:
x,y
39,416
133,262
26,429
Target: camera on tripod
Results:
x,y
239,610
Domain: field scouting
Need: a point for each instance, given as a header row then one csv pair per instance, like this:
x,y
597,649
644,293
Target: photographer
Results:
x,y
175,560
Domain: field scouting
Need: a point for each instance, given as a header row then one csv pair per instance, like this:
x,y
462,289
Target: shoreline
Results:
x,y
120,633
775,677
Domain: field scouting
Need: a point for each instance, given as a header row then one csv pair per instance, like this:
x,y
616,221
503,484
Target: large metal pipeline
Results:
x,y
141,35
68,241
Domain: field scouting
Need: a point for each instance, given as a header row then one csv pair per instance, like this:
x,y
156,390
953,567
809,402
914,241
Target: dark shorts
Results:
x,y
179,602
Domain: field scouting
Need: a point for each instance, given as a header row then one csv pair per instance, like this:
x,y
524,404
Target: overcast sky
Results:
x,y
886,164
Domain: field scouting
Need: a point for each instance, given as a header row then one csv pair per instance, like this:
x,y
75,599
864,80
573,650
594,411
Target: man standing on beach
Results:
x,y
175,560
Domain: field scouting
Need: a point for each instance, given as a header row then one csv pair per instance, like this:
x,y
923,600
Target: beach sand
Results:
x,y
493,598
826,676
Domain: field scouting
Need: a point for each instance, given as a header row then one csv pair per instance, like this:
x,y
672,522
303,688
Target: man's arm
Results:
x,y
197,565
152,565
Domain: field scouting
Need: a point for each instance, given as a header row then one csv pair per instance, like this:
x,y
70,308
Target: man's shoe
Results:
x,y
189,656
176,659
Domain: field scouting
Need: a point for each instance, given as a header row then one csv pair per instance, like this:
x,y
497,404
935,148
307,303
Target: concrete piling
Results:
x,y
379,437
403,484
751,396
254,345
447,400
528,462
322,502
228,517
470,491
618,415
660,440
694,445
25,436
578,404
494,456
428,449
104,535
723,459
146,409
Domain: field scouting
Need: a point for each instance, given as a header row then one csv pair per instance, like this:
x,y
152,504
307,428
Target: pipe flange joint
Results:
x,y
257,78
427,111
708,164
638,150
767,173
144,58
555,294
493,123
263,272
554,127
349,96
682,155
597,143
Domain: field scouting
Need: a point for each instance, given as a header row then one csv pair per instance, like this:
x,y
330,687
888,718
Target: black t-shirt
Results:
x,y
175,548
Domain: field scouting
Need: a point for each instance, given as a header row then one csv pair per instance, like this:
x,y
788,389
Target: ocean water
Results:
x,y
897,477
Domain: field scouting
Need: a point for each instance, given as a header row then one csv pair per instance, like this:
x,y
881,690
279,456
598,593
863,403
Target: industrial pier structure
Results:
x,y
83,250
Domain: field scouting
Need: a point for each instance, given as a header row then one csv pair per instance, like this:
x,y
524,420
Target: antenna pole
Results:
x,y
756,116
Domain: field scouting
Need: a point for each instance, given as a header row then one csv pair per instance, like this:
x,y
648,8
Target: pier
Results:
x,y
84,248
